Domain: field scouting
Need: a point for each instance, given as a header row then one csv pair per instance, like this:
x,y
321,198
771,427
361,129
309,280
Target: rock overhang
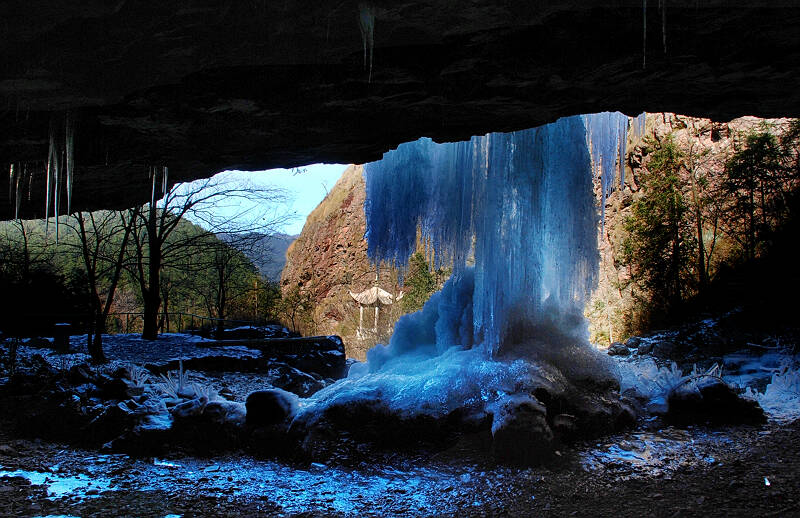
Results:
x,y
211,85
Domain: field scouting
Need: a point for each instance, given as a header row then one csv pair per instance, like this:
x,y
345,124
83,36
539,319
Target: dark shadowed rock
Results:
x,y
644,348
663,348
294,380
565,426
521,435
80,374
617,349
114,421
633,342
321,355
112,388
226,412
367,427
270,407
284,83
709,400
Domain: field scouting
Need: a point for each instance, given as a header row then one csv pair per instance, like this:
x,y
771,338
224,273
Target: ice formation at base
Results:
x,y
520,206
772,379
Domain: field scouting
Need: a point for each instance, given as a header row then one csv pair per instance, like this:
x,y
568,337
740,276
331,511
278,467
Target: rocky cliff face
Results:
x,y
205,85
329,259
705,145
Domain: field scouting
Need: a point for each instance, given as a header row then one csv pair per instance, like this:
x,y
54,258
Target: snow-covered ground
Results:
x,y
771,377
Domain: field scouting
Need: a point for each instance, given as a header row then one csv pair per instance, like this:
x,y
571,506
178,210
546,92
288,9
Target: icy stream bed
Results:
x,y
379,490
409,487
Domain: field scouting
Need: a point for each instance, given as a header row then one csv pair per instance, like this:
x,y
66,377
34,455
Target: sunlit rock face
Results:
x,y
509,329
224,84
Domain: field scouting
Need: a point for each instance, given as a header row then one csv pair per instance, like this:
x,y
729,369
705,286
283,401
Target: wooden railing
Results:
x,y
184,321
131,322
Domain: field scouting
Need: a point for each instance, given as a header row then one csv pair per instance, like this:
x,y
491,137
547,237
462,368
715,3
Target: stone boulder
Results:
x,y
709,400
520,433
226,412
633,342
320,355
617,349
294,380
644,348
664,348
270,407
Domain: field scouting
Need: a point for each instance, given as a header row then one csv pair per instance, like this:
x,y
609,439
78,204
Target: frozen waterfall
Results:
x,y
523,204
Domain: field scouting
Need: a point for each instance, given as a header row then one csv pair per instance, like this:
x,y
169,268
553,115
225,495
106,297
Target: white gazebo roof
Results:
x,y
373,297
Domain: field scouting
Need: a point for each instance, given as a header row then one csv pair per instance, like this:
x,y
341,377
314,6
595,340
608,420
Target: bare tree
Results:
x,y
159,239
103,241
227,276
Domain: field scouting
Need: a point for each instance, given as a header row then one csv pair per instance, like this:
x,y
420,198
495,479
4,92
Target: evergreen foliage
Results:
x,y
692,221
421,282
660,244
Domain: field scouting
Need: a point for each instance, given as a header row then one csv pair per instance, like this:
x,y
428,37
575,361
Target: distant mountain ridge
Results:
x,y
269,252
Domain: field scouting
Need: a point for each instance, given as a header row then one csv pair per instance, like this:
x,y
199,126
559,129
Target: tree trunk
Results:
x,y
221,303
96,347
152,303
702,273
95,344
151,296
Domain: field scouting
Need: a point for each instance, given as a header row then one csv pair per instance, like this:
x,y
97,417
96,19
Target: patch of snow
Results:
x,y
58,485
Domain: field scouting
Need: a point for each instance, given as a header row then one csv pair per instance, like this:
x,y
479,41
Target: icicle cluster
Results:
x,y
520,202
16,179
155,193
638,125
607,135
60,167
644,34
18,174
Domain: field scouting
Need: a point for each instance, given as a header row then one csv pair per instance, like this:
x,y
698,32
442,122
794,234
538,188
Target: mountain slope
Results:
x,y
329,259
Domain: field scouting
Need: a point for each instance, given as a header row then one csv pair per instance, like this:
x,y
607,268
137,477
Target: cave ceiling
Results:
x,y
201,86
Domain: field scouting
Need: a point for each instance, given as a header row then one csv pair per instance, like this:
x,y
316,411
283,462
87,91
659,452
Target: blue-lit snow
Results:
x,y
58,485
377,490
419,487
769,375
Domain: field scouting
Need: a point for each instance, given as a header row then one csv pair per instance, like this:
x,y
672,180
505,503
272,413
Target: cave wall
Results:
x,y
206,85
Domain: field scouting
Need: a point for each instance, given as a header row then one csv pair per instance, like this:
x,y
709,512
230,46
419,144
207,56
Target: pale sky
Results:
x,y
304,189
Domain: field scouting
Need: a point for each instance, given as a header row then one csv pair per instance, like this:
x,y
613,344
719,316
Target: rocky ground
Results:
x,y
739,471
653,469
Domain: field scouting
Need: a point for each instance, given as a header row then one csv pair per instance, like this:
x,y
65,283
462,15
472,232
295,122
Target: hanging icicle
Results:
x,y
366,22
57,163
153,189
622,141
30,182
663,5
644,34
164,180
69,161
638,125
48,174
10,184
17,192
606,134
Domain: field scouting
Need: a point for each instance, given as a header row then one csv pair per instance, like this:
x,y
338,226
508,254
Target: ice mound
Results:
x,y
781,398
